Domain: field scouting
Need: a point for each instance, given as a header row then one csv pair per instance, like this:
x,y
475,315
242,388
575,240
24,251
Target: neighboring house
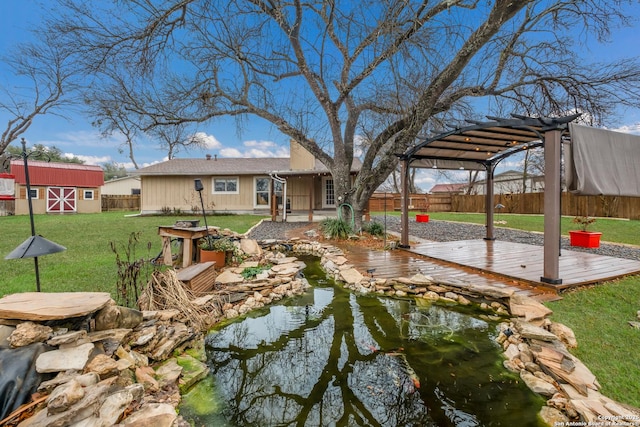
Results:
x,y
511,182
448,188
125,186
57,187
241,185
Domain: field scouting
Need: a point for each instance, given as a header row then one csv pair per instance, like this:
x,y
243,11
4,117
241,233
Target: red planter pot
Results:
x,y
422,218
585,239
216,256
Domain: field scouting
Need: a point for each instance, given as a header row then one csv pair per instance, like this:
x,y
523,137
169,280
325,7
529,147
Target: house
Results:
x,y
125,186
448,188
57,187
240,185
511,182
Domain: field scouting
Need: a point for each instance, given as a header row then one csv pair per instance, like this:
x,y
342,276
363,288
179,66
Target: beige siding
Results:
x,y
40,205
178,192
299,192
121,186
300,158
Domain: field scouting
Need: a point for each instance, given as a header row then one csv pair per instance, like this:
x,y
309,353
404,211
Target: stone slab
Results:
x,y
39,306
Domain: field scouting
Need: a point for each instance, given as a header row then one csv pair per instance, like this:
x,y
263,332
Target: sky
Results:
x,y
75,136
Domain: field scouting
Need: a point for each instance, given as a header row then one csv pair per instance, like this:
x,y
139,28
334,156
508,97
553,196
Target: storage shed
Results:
x,y
57,187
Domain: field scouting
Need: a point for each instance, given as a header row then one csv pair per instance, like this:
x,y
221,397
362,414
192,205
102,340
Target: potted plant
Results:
x,y
215,248
583,237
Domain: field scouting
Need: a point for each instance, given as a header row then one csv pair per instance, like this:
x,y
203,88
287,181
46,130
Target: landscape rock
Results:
x,y
250,247
103,365
72,338
27,333
5,332
530,331
351,276
64,359
227,277
152,415
116,317
553,416
64,396
565,334
527,307
537,385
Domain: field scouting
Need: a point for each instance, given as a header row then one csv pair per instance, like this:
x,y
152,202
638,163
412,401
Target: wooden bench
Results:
x,y
199,278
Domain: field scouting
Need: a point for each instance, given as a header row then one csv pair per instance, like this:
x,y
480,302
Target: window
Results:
x,y
228,185
34,193
262,186
328,199
87,195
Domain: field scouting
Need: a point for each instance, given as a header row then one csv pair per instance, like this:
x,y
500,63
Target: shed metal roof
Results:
x,y
58,174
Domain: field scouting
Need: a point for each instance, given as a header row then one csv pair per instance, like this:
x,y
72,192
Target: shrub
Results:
x,y
334,228
251,272
584,222
373,228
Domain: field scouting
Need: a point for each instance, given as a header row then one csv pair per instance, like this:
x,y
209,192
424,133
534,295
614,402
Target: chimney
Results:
x,y
208,156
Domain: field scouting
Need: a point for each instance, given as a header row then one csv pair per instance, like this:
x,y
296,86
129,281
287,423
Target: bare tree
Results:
x,y
174,138
317,70
42,82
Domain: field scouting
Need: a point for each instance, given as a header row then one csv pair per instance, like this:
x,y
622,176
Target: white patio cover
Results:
x,y
602,162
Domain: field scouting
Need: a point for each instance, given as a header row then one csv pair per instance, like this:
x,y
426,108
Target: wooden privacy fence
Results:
x,y
417,202
528,203
571,205
120,203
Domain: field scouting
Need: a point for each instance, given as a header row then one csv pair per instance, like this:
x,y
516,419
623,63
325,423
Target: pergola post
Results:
x,y
404,203
551,269
489,201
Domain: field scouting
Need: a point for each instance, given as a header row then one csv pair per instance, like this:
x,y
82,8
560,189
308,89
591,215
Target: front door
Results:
x,y
61,199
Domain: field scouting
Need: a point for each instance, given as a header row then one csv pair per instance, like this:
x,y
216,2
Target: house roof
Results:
x,y
448,188
232,166
58,174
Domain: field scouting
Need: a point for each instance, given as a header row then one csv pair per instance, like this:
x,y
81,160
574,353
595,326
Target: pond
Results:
x,y
335,358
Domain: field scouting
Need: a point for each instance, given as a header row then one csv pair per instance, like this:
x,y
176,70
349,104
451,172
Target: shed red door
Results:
x,y
61,199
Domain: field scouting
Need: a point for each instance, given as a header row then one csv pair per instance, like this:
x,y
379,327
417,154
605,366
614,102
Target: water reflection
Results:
x,y
333,357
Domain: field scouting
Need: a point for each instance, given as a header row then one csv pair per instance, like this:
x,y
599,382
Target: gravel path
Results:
x,y
444,231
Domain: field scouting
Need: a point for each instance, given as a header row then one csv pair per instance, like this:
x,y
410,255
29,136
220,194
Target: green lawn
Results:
x,y
88,264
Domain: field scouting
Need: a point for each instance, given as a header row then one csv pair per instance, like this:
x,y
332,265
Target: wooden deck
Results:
x,y
403,263
493,263
524,263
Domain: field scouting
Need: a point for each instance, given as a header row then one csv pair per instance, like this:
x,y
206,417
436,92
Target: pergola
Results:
x,y
481,146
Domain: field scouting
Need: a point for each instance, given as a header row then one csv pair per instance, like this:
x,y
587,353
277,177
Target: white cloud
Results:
x,y
230,152
256,149
632,129
83,138
89,160
259,144
129,165
209,141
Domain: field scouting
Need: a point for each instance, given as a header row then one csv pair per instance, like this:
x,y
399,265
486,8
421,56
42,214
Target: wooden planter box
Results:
x,y
199,278
422,218
585,239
